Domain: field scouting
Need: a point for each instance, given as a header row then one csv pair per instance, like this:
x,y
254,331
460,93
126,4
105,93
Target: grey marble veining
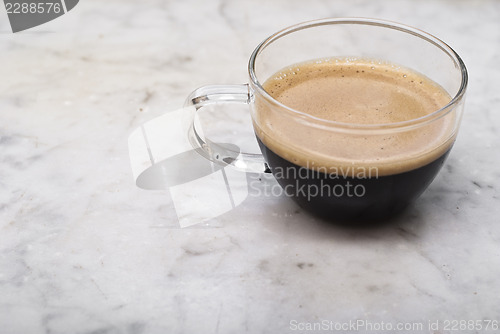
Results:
x,y
84,250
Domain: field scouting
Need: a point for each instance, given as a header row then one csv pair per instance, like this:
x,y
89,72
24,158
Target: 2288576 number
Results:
x,y
462,325
33,7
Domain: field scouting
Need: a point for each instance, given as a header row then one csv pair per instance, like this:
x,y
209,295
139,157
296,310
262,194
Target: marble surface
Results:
x,y
84,250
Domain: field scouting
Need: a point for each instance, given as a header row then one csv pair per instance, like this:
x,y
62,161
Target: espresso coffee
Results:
x,y
346,174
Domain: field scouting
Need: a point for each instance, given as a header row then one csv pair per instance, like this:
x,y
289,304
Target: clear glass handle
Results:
x,y
223,155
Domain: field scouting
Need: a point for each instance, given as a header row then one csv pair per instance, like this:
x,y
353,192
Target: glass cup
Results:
x,y
364,185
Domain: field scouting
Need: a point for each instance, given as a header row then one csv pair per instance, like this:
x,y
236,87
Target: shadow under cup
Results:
x,y
351,184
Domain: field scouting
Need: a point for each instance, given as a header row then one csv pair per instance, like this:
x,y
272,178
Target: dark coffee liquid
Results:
x,y
347,199
327,170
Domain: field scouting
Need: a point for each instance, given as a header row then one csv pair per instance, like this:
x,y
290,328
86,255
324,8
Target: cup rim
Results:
x,y
324,123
